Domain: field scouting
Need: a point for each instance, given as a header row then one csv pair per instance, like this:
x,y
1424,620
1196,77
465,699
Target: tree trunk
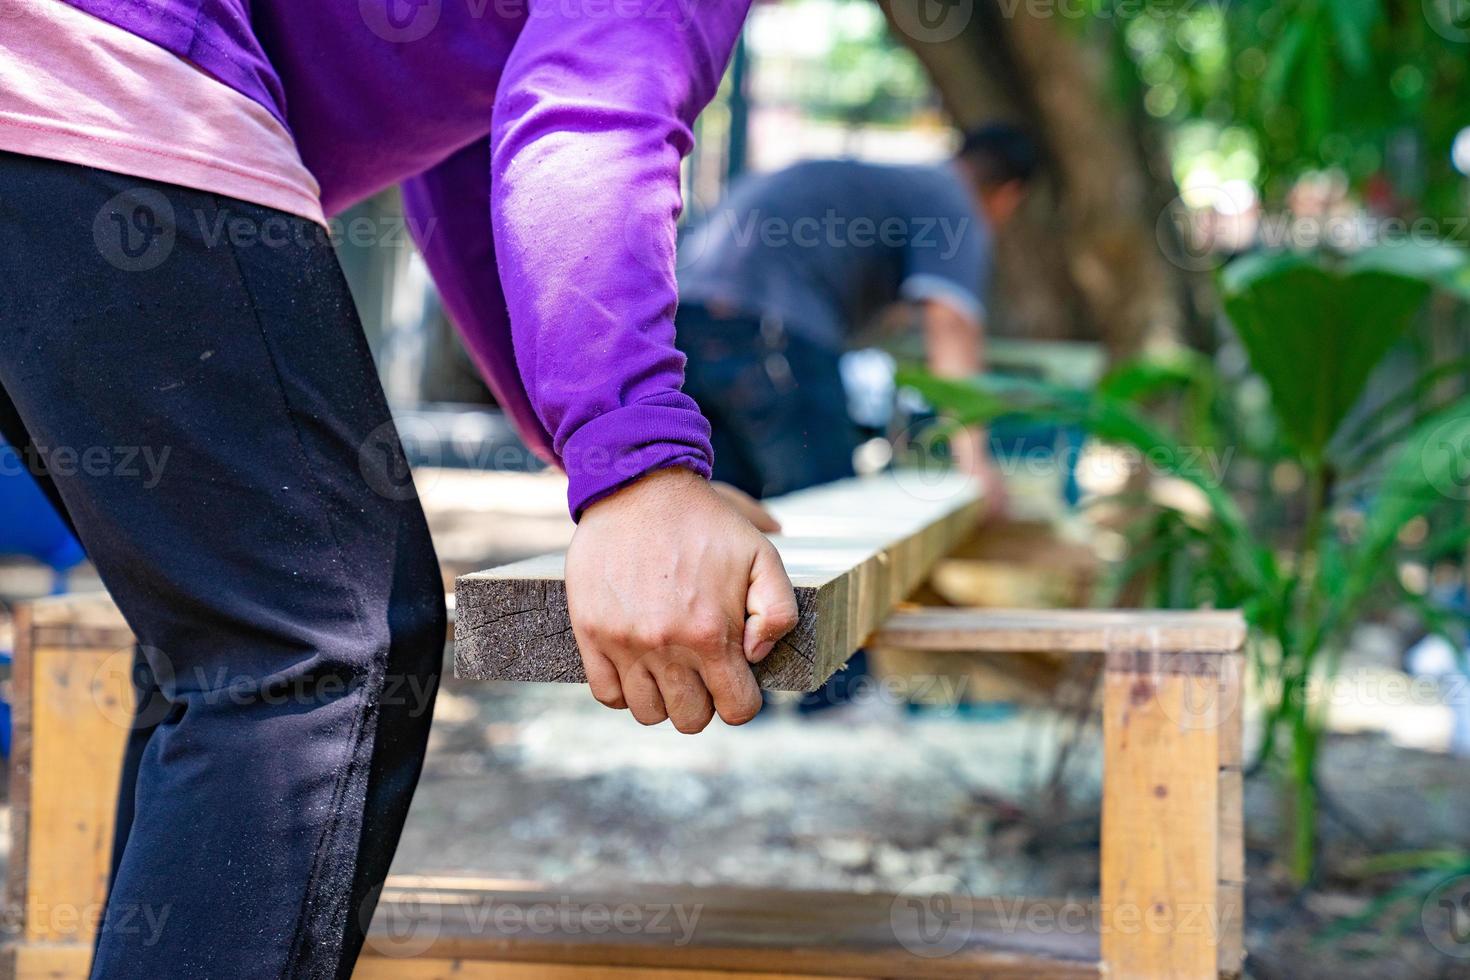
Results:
x,y
1083,260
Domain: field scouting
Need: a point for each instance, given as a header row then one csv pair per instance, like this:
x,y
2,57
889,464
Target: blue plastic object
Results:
x,y
1014,440
29,525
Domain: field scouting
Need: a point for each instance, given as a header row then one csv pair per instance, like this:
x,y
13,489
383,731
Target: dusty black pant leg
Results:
x,y
217,433
14,432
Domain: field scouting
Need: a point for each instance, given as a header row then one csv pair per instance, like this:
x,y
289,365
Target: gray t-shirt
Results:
x,y
826,244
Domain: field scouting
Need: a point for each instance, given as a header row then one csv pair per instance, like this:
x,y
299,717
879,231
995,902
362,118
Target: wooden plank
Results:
x,y
747,931
72,962
74,705
78,620
1164,911
1232,836
92,610
442,969
42,961
1231,895
1063,630
853,549
440,926
1230,908
20,765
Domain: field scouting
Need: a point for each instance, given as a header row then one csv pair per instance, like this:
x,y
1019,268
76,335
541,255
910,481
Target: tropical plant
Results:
x,y
1314,327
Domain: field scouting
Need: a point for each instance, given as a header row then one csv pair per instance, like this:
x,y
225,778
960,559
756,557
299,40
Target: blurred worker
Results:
x,y
166,167
781,278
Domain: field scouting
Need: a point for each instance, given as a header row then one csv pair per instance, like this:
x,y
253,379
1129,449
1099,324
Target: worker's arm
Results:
x,y
945,284
954,343
672,594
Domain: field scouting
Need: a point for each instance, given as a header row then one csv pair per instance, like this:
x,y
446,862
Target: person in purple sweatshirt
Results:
x,y
166,169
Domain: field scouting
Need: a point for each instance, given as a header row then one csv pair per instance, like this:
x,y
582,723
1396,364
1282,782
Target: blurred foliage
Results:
x,y
1314,329
1377,90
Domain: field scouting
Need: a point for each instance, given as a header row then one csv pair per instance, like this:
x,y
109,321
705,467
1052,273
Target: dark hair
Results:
x,y
1000,153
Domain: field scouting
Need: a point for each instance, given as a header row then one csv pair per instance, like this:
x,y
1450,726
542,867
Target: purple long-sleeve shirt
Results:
x,y
538,143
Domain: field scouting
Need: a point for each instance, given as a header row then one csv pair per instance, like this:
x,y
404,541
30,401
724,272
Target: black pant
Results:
x,y
189,375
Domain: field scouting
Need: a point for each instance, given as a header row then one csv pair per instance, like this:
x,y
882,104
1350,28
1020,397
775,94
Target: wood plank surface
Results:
x,y
745,931
73,709
71,962
1063,630
369,968
853,549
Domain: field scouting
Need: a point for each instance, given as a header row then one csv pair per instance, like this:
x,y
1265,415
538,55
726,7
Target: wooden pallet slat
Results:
x,y
854,549
1097,631
744,931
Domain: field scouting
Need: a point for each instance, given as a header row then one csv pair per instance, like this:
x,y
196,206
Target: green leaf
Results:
x,y
1283,60
1416,888
1315,329
967,400
1316,92
1180,371
1353,22
1394,862
1432,466
1438,263
1448,544
1373,425
1136,379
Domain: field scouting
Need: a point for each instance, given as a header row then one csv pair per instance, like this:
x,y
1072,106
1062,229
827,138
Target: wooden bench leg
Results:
x,y
73,705
1172,857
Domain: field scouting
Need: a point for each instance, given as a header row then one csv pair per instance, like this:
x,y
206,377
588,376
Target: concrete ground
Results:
x,y
540,781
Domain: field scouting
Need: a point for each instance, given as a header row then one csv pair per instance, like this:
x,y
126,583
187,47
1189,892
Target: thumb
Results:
x,y
770,604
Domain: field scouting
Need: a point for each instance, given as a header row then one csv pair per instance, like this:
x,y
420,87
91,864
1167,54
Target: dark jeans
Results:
x,y
189,379
778,412
774,400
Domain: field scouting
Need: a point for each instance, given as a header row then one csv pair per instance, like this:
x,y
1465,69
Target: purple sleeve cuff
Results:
x,y
618,447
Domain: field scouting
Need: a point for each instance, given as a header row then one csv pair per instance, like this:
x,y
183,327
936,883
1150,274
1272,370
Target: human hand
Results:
x,y
672,596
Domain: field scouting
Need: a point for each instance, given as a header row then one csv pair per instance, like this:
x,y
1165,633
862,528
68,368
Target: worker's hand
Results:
x,y
995,499
970,448
748,507
673,595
